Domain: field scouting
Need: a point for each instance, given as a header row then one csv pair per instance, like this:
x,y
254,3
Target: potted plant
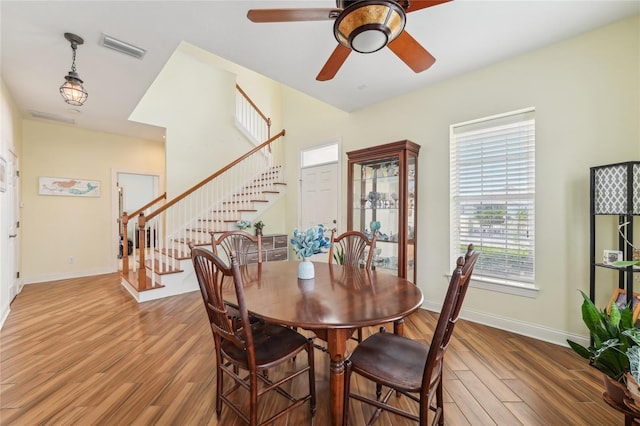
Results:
x,y
306,243
608,352
258,225
633,375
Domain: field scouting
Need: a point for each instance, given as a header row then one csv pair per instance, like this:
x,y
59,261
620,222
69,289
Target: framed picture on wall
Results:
x,y
68,187
3,174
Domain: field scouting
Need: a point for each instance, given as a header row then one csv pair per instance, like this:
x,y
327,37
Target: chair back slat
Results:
x,y
240,242
212,275
449,315
470,259
353,246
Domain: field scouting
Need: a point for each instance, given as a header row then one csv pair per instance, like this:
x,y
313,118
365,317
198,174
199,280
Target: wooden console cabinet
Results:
x,y
274,247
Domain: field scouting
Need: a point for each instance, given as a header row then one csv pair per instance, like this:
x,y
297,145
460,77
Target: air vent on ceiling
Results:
x,y
123,47
52,117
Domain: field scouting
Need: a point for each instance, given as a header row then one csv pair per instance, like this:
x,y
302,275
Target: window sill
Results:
x,y
509,287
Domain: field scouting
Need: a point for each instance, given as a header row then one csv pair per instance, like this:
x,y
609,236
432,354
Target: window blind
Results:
x,y
492,163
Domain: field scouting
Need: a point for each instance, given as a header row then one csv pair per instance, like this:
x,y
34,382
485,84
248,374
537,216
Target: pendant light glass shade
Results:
x,y
72,90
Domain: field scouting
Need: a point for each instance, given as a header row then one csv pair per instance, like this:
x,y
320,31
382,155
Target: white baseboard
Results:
x,y
4,316
68,275
536,331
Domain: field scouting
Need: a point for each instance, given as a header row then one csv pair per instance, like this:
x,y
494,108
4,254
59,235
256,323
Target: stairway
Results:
x,y
167,263
246,204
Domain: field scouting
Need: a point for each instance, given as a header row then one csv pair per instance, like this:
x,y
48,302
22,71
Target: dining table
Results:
x,y
337,301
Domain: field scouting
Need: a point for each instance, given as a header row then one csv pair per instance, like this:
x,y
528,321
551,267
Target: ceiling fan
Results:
x,y
365,26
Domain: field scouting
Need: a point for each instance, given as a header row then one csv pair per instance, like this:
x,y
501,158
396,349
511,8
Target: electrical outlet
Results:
x,y
70,260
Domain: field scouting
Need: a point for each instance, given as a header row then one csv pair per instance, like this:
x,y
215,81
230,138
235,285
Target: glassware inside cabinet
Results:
x,y
378,200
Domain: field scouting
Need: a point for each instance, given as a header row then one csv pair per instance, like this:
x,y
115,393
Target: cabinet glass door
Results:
x,y
376,186
411,217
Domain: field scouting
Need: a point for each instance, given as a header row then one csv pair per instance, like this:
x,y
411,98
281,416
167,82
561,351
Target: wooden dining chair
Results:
x,y
408,367
350,248
248,249
253,348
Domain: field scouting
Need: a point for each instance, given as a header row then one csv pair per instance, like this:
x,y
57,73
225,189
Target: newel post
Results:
x,y
142,269
124,240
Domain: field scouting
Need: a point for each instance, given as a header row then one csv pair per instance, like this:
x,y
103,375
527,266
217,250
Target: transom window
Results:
x,y
319,155
492,163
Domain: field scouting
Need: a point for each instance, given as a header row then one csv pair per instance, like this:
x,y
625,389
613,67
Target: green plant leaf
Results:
x,y
592,316
614,315
580,350
612,334
625,263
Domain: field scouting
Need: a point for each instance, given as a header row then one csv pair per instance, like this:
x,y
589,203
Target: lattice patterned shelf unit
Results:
x,y
615,190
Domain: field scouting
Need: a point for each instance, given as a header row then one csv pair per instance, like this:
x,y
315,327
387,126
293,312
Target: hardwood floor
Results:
x,y
82,351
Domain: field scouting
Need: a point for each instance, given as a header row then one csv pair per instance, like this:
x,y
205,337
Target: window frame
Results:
x,y
481,194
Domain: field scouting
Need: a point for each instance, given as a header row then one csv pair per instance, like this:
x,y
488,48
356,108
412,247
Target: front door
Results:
x,y
319,194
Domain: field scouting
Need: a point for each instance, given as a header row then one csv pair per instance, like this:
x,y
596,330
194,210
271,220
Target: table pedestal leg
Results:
x,y
337,347
398,327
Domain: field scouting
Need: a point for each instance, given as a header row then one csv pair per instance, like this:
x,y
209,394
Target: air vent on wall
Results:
x,y
122,46
52,117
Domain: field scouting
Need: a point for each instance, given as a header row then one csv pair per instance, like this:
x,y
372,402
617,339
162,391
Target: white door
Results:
x,y
13,225
132,191
319,193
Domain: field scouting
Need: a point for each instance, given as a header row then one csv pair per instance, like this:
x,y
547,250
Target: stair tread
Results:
x,y
175,253
168,269
188,241
132,279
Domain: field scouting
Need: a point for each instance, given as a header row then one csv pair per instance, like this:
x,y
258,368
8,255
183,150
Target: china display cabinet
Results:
x,y
383,187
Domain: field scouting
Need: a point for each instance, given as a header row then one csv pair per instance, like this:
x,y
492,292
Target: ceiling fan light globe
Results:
x,y
369,25
369,41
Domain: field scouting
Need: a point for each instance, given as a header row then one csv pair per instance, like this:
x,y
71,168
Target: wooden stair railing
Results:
x,y
124,221
249,116
164,234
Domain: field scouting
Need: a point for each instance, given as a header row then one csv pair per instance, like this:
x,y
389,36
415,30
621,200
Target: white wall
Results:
x,y
55,228
586,93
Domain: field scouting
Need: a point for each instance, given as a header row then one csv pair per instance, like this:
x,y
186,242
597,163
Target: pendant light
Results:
x,y
72,91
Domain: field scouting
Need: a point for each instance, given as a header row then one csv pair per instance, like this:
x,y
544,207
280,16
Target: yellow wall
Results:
x,y
586,93
193,97
55,228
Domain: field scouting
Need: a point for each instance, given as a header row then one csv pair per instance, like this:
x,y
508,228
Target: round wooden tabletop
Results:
x,y
338,297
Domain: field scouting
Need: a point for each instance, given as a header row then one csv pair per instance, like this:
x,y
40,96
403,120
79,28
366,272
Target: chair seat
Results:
x,y
391,360
273,345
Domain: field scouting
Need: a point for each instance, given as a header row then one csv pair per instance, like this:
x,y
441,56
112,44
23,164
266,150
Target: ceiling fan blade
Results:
x,y
422,4
411,52
288,15
334,63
